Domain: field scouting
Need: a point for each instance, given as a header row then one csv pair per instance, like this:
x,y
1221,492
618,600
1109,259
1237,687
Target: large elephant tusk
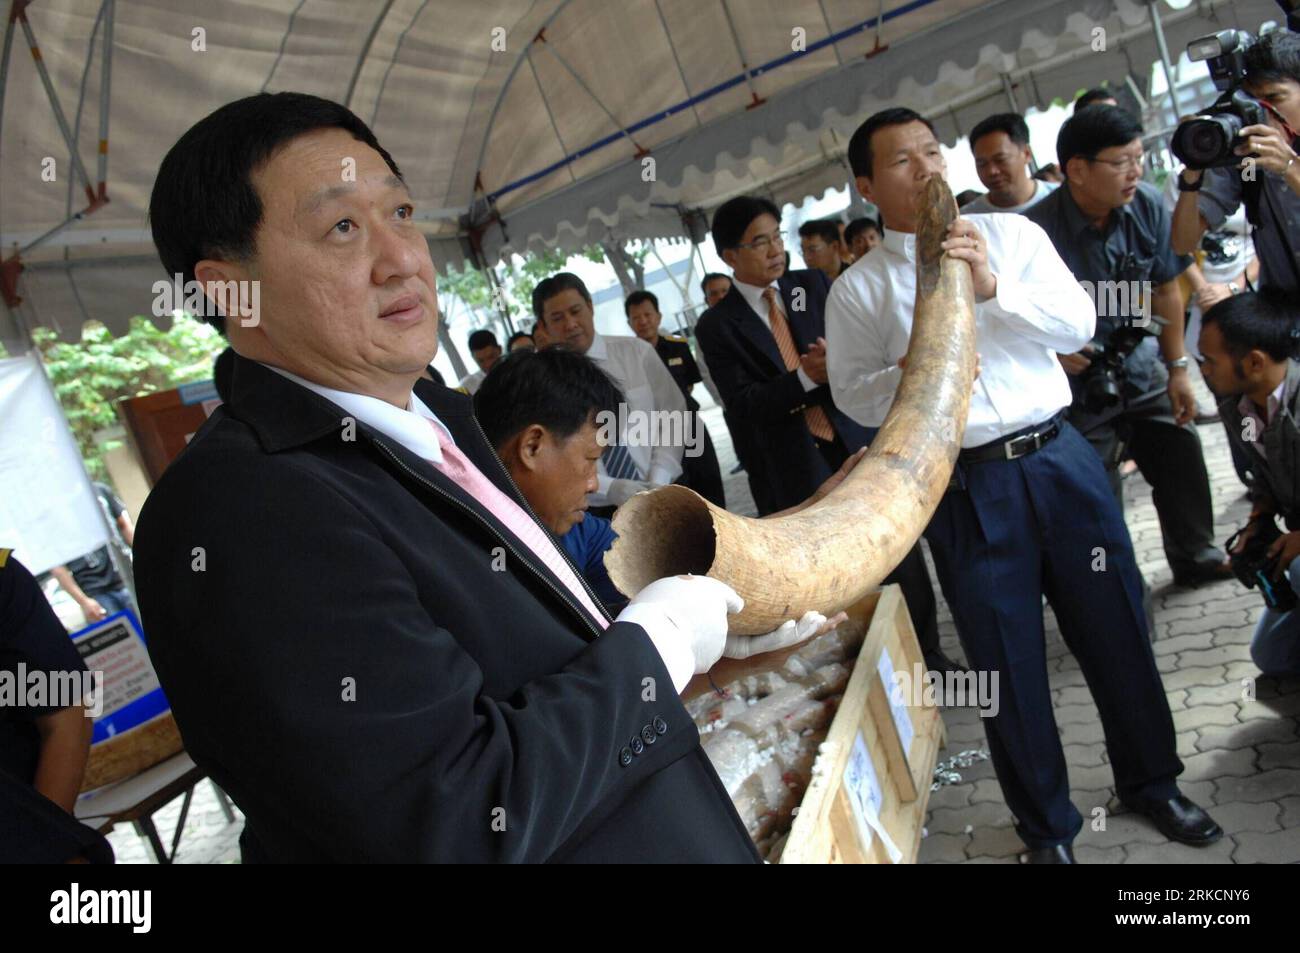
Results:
x,y
830,555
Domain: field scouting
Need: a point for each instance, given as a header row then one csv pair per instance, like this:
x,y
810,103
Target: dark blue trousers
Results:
x,y
1040,525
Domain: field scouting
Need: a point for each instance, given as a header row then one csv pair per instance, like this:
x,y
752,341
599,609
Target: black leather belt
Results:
x,y
1019,444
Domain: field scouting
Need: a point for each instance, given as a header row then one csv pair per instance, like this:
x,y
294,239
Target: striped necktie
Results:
x,y
618,463
815,417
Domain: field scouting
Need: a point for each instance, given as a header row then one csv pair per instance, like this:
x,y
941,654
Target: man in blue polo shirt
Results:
x,y
1112,231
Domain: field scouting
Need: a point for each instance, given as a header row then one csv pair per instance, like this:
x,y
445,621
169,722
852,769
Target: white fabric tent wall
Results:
x,y
48,511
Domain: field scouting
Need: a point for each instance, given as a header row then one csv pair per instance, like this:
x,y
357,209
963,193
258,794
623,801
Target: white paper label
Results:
x,y
897,703
866,797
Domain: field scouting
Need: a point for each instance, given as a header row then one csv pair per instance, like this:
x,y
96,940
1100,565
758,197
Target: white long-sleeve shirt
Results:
x,y
472,382
648,387
1039,309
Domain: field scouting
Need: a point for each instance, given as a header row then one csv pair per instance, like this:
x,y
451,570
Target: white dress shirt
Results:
x,y
472,382
982,205
1039,309
647,386
408,427
753,295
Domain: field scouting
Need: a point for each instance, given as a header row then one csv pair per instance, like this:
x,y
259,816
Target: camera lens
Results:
x,y
1101,390
1205,142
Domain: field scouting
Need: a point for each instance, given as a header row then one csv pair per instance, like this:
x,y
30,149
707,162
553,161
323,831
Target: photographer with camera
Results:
x,y
1249,344
1112,230
1242,150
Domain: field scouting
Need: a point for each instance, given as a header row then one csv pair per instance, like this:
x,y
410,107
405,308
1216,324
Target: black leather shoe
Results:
x,y
1181,820
1213,572
936,661
1061,854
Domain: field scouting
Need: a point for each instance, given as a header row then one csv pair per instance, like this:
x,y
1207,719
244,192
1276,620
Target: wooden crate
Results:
x,y
865,738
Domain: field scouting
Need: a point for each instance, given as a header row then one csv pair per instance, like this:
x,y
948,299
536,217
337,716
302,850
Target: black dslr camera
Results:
x,y
1103,381
1206,141
1255,569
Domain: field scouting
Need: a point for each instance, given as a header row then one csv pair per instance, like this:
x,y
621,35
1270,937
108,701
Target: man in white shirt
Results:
x,y
658,429
1000,144
1029,513
486,351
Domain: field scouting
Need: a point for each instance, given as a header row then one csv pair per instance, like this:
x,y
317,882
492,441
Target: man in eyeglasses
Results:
x,y
764,344
1113,231
1027,515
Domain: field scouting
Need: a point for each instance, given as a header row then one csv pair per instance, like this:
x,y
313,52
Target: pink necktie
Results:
x,y
462,471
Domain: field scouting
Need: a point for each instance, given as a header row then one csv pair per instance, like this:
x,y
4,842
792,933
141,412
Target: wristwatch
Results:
x,y
1234,288
1178,362
1183,185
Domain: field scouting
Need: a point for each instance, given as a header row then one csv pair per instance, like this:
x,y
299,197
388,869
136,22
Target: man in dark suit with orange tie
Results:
x,y
763,343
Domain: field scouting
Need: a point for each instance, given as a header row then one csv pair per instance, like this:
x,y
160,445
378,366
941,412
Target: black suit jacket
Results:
x,y
768,400
344,658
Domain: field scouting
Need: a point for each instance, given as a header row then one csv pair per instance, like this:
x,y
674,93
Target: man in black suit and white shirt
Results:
x,y
764,345
367,637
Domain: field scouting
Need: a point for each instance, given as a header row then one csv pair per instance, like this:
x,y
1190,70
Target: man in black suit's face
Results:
x,y
759,259
348,290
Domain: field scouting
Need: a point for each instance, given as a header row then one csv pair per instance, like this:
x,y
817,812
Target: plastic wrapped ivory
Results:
x,y
761,732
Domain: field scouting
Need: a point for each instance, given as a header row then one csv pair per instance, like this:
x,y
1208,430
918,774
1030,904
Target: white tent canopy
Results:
x,y
526,123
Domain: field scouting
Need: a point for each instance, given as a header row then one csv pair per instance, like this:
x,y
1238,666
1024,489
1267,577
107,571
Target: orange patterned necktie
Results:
x,y
815,417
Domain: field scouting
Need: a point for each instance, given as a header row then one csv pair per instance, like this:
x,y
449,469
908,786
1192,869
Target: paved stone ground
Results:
x,y
1242,755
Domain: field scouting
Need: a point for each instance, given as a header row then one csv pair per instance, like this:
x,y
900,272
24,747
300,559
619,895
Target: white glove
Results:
x,y
787,634
620,491
686,619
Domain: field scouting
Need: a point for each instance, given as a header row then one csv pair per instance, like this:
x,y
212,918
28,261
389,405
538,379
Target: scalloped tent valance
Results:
x,y
527,123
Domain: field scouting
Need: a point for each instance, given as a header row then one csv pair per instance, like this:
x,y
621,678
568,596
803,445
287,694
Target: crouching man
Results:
x,y
544,413
1248,347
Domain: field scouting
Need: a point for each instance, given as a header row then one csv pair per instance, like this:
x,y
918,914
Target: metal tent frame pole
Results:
x,y
1009,91
105,99
96,192
1158,29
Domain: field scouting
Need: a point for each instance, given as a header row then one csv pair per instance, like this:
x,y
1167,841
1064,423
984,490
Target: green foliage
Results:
x,y
92,375
521,281
517,282
470,286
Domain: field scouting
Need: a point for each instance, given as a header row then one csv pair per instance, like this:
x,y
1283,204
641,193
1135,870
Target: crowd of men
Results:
x,y
404,643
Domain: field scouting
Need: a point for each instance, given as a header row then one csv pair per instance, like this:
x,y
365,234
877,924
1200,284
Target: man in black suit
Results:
x,y
764,345
700,469
367,637
779,395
